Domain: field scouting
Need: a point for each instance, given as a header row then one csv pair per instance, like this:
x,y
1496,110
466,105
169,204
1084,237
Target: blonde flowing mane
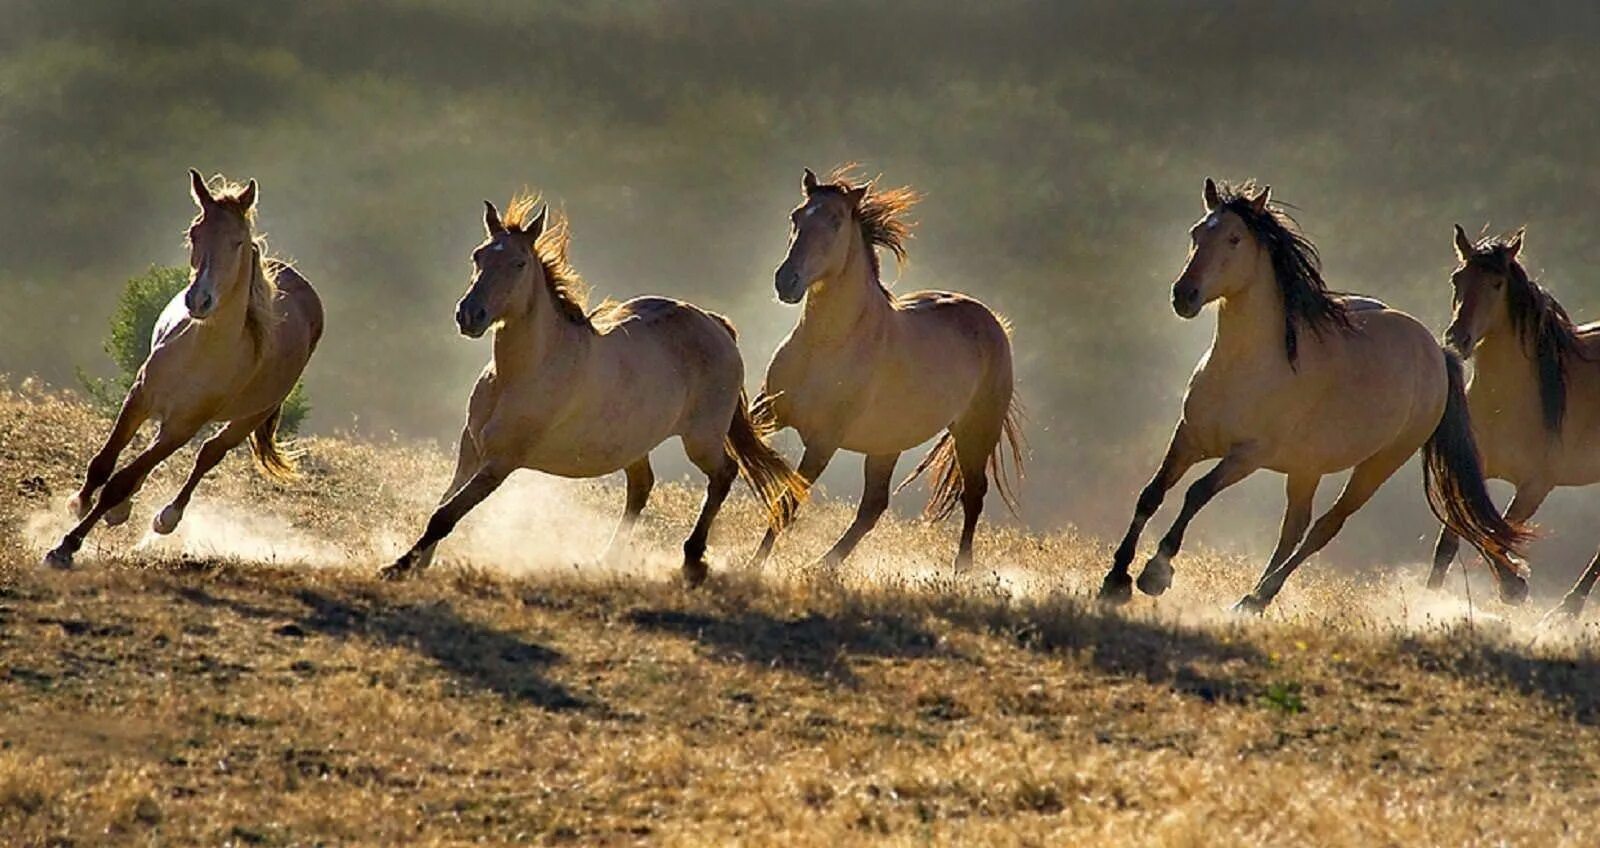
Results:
x,y
263,310
567,288
881,214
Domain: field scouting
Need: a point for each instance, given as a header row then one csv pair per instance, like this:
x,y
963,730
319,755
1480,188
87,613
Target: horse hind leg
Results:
x,y
1572,605
711,456
641,479
974,448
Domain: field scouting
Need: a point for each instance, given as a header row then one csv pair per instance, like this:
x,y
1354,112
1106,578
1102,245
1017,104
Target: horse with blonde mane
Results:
x,y
1306,382
583,394
1535,389
868,371
228,348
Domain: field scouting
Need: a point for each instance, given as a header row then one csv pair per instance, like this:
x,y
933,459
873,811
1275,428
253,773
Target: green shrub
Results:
x,y
128,343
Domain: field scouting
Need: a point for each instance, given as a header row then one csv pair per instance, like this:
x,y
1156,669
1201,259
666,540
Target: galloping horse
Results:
x,y
1307,382
865,370
1535,390
228,348
582,394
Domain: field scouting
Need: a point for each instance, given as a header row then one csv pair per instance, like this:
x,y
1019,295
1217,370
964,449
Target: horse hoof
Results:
x,y
60,559
1156,577
1513,590
1250,605
400,569
694,572
167,520
1116,589
119,513
1563,614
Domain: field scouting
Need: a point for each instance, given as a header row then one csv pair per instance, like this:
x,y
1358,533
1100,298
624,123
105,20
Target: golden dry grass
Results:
x,y
250,683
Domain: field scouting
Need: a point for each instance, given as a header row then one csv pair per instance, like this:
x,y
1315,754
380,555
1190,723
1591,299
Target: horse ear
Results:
x,y
199,191
1515,244
535,228
1260,201
856,195
491,219
808,183
1463,244
1211,196
247,198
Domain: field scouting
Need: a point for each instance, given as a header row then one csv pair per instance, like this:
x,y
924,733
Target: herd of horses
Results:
x,y
1300,379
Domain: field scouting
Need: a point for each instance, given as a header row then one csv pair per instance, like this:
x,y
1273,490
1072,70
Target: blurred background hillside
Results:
x,y
1061,148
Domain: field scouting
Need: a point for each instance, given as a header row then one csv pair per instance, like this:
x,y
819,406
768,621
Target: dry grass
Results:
x,y
250,683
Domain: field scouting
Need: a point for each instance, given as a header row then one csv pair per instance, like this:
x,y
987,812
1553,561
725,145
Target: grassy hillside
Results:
x,y
248,682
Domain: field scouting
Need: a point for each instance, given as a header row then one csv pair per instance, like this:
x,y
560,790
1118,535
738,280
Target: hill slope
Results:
x,y
248,682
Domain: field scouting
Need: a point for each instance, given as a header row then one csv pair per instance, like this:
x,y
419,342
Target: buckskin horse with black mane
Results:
x,y
1308,382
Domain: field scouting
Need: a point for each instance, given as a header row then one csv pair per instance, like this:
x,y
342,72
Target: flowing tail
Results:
x,y
274,460
1453,477
764,469
946,469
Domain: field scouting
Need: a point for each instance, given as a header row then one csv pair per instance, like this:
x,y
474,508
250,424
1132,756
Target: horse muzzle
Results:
x,y
1459,340
788,285
1186,301
472,321
200,303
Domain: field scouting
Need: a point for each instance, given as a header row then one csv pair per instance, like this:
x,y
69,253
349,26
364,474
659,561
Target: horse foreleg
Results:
x,y
1180,457
467,463
119,488
1444,553
640,480
1571,606
132,416
445,518
879,474
812,463
211,453
1237,465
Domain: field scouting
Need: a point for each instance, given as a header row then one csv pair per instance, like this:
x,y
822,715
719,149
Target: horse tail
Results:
x,y
764,470
1452,475
274,459
778,486
943,464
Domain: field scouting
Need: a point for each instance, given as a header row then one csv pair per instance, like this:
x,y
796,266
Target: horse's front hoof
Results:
x,y
1513,589
119,513
167,520
60,558
1156,577
1116,589
1252,605
694,572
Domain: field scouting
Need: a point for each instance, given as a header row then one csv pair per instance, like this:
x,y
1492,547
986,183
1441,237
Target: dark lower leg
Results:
x,y
879,474
445,518
119,488
812,463
1118,585
104,463
1157,574
718,484
1444,553
974,485
1578,595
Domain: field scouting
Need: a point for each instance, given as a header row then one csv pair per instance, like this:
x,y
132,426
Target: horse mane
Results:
x,y
567,288
262,312
1540,322
1307,301
881,215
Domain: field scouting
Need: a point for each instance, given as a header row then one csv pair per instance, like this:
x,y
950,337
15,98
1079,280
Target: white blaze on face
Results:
x,y
499,246
1213,220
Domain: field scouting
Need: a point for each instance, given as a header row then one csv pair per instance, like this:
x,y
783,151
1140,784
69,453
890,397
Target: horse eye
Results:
x,y
1233,239
522,263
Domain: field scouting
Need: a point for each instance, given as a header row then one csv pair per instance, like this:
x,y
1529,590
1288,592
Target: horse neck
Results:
x,y
228,321
1504,357
842,305
525,341
1252,320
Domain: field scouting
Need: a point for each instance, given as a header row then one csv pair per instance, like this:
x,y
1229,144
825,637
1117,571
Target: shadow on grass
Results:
x,y
823,644
1570,683
476,655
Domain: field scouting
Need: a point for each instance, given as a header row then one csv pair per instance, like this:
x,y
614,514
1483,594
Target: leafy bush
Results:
x,y
128,343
